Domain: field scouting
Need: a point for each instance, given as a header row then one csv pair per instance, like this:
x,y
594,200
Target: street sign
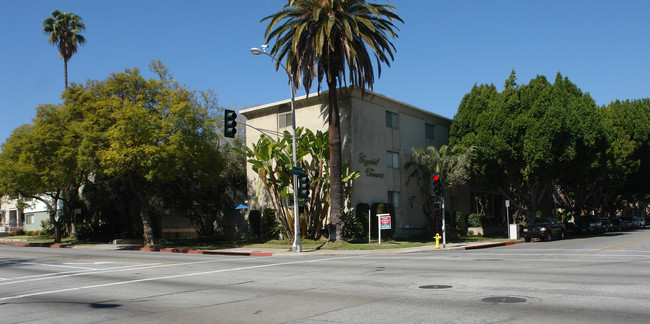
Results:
x,y
302,203
296,170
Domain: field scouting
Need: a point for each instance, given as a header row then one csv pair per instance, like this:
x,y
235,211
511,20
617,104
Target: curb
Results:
x,y
488,245
56,246
167,250
242,253
206,252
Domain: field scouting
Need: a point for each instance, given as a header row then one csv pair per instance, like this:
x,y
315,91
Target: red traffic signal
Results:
x,y
436,185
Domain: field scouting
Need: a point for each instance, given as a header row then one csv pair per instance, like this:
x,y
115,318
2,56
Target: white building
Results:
x,y
378,134
28,219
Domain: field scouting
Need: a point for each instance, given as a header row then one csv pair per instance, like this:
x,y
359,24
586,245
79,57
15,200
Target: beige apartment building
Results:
x,y
378,134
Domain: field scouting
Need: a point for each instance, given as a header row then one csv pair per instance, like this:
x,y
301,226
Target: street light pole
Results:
x,y
297,246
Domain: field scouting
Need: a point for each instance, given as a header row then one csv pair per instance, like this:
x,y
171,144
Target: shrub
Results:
x,y
271,228
48,227
460,229
19,232
474,220
29,233
354,228
255,224
470,232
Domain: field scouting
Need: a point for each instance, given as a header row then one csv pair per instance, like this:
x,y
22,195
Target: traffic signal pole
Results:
x,y
444,230
437,190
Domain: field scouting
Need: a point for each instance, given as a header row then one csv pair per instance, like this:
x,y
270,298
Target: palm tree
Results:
x,y
63,29
327,39
453,162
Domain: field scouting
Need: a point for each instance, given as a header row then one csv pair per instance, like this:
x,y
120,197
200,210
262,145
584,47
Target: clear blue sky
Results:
x,y
443,49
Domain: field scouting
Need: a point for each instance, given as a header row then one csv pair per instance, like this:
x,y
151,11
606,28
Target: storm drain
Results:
x,y
507,300
435,286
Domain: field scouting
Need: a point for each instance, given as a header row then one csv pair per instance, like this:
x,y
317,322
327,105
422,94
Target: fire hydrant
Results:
x,y
437,237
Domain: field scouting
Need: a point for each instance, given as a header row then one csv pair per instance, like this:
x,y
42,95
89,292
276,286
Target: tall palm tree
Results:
x,y
327,39
63,29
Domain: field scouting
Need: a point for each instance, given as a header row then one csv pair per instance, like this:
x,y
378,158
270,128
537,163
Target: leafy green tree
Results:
x,y
325,40
627,125
145,131
40,161
581,171
528,137
64,30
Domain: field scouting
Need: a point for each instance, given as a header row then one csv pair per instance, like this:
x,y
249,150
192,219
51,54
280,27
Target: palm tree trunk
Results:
x,y
65,67
336,187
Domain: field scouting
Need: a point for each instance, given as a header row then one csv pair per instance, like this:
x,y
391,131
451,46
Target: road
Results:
x,y
600,279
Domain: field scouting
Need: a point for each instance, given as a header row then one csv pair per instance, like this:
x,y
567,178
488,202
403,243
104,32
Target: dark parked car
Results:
x,y
639,222
628,221
545,229
608,225
619,225
590,226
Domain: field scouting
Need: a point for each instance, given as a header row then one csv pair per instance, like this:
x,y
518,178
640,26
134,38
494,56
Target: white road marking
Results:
x,y
66,274
91,263
171,277
58,266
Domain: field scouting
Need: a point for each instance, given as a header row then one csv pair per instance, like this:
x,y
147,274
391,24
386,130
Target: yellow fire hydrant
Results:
x,y
437,237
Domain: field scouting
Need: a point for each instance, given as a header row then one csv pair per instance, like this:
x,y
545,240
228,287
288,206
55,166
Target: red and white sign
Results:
x,y
384,221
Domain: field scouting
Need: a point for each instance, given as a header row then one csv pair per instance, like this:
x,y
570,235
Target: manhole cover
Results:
x,y
435,286
504,300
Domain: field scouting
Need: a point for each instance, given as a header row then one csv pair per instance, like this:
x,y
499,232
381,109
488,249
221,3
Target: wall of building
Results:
x,y
366,142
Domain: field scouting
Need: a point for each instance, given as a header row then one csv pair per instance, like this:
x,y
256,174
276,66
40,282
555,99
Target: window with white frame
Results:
x,y
29,218
429,131
284,120
392,160
395,198
391,120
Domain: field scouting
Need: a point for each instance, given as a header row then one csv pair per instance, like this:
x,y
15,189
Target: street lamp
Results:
x,y
297,246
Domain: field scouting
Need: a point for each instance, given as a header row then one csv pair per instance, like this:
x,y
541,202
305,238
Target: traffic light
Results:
x,y
230,123
303,186
436,185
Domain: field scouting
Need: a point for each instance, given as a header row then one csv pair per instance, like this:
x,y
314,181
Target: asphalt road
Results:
x,y
600,279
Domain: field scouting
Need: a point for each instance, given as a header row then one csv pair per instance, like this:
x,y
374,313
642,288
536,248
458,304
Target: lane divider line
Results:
x,y
617,246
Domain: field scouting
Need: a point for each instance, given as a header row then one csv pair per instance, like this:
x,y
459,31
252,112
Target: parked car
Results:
x,y
590,226
544,229
639,222
618,224
628,221
608,225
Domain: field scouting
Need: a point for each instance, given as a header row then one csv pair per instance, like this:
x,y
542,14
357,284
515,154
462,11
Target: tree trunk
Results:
x,y
146,222
336,187
65,67
58,229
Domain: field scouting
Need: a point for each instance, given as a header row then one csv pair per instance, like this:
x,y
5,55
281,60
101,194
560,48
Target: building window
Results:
x,y
429,131
392,160
394,197
284,120
29,218
391,120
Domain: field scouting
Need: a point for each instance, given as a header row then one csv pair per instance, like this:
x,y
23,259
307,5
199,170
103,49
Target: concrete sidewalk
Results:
x,y
270,251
